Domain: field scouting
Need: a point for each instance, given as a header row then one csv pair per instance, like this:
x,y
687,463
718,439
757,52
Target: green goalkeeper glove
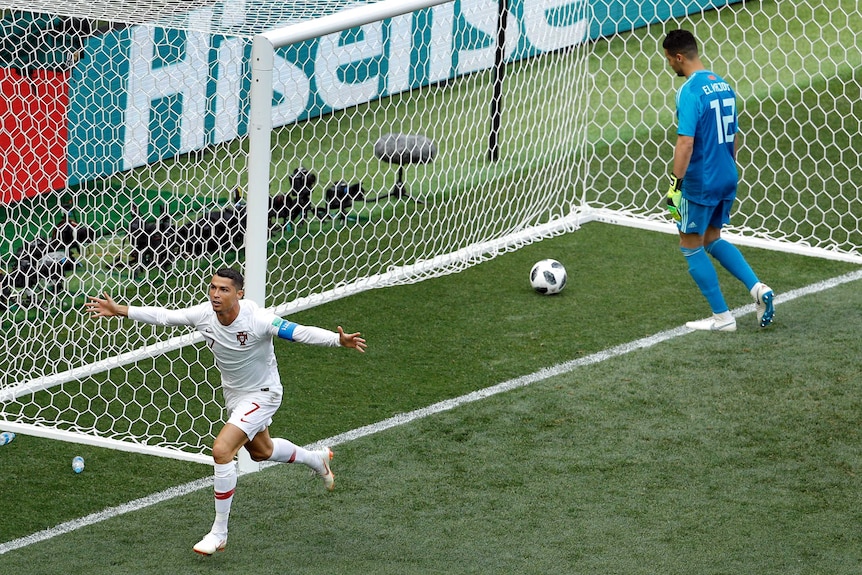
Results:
x,y
674,195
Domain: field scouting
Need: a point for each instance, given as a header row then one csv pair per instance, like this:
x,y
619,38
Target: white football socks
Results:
x,y
284,451
224,486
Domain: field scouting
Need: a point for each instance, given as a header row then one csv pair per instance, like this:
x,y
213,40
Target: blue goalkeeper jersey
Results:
x,y
706,111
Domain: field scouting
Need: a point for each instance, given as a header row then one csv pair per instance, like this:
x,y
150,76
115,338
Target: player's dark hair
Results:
x,y
234,276
680,42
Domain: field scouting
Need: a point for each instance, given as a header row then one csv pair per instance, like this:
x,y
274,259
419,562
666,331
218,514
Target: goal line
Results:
x,y
406,418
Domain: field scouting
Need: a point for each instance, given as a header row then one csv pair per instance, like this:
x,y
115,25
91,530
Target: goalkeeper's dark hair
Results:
x,y
680,42
234,276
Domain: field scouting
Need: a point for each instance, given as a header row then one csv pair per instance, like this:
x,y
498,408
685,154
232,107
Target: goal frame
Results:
x,y
259,183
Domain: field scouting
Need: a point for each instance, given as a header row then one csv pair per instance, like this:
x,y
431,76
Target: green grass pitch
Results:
x,y
704,454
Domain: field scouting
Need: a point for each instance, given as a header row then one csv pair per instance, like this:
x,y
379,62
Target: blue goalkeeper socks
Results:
x,y
729,256
704,275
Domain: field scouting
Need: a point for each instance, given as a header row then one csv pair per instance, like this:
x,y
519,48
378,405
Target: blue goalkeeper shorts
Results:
x,y
695,218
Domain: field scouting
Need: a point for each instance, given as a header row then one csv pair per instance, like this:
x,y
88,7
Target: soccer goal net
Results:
x,y
328,148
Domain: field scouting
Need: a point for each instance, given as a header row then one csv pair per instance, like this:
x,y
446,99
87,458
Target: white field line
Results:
x,y
405,418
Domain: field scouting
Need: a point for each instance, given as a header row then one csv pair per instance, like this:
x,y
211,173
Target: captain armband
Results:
x,y
285,329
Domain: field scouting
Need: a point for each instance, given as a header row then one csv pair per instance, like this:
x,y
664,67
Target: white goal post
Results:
x,y
260,121
328,148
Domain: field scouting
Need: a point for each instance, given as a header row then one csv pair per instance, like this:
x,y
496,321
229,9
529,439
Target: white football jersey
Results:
x,y
243,350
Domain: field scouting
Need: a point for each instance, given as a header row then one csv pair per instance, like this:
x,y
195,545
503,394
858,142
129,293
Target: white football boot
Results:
x,y
717,322
763,303
325,472
211,543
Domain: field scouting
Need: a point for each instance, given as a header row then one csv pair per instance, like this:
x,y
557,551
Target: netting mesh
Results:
x,y
381,160
237,18
796,70
127,165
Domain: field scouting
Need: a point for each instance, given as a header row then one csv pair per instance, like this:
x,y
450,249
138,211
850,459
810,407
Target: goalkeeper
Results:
x,y
239,334
704,180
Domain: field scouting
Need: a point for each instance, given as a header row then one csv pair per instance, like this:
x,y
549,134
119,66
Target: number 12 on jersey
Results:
x,y
724,121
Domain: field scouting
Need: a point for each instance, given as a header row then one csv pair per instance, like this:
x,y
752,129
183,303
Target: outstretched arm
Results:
x,y
105,307
351,340
313,335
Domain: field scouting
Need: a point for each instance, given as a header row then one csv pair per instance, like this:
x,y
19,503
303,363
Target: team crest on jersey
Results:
x,y
242,337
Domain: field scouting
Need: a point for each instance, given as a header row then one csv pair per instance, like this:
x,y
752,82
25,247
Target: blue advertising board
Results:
x,y
142,94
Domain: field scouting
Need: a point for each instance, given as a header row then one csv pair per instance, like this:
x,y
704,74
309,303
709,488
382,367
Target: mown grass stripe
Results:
x,y
411,416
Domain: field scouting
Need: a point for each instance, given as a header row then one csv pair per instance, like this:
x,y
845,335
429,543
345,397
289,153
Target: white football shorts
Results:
x,y
252,411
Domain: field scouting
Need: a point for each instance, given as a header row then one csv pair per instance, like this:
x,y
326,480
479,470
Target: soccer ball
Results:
x,y
548,277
